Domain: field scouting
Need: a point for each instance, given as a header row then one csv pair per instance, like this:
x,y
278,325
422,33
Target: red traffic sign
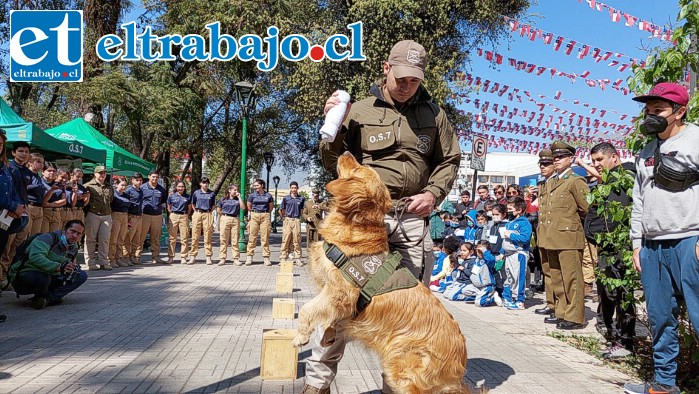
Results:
x,y
480,147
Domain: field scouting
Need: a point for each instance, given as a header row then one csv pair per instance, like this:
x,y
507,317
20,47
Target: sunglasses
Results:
x,y
498,192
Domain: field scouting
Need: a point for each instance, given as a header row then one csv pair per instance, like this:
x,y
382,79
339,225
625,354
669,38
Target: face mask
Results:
x,y
489,214
510,216
63,240
497,220
437,253
654,124
455,225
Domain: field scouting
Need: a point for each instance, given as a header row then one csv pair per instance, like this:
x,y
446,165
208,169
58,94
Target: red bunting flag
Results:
x,y
558,95
548,37
557,45
585,74
569,47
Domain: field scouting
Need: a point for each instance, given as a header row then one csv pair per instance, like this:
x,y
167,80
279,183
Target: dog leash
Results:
x,y
400,208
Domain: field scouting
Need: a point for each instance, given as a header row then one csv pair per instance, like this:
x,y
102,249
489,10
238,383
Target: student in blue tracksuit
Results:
x,y
515,246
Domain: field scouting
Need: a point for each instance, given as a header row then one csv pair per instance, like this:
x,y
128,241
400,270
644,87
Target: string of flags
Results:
x,y
489,86
531,147
584,50
563,121
538,70
632,21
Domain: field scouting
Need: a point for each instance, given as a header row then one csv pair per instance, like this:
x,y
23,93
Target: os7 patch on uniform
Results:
x,y
46,46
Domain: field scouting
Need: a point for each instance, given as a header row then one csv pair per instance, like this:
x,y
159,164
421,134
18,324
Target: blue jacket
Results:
x,y
522,233
9,198
439,264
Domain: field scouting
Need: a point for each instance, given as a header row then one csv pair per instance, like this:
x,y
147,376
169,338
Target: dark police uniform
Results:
x,y
135,221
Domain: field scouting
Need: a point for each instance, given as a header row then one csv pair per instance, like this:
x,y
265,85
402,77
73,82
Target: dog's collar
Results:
x,y
369,273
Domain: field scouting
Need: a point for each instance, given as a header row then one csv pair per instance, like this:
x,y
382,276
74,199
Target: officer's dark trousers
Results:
x,y
611,301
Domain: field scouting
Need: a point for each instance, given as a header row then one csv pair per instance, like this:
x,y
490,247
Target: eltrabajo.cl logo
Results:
x,y
46,46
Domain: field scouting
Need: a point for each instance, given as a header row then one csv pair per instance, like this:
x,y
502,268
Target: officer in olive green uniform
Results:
x,y
549,176
98,221
563,238
313,214
399,132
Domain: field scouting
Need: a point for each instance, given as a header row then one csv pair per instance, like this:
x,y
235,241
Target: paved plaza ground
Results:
x,y
198,329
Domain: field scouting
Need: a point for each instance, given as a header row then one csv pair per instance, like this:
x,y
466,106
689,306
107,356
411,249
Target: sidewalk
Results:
x,y
198,328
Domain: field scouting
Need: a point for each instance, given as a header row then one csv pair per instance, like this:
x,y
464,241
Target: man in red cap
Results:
x,y
665,227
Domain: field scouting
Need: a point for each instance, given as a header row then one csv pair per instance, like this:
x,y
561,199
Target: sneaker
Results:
x,y
106,267
508,304
93,267
314,390
616,352
208,260
38,302
516,306
123,263
497,299
170,259
237,262
299,263
648,387
266,261
222,262
136,261
248,260
114,265
191,260
157,260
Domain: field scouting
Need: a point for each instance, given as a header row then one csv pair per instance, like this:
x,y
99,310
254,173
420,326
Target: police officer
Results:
x,y
291,208
407,139
179,207
120,226
564,238
98,221
54,199
313,213
260,204
133,237
545,181
154,199
229,225
203,202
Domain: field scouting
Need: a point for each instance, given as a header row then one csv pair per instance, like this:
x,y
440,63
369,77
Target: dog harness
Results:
x,y
373,274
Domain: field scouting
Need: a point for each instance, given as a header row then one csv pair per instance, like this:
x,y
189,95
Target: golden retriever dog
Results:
x,y
419,343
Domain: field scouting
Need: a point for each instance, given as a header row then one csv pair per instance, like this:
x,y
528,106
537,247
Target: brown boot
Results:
x,y
588,291
314,390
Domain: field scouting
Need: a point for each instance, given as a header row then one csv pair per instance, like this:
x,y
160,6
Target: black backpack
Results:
x,y
22,255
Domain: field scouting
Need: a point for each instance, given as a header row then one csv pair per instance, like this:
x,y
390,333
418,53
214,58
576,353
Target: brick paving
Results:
x,y
198,329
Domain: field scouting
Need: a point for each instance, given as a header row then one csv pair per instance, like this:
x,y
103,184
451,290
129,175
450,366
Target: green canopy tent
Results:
x,y
119,160
17,129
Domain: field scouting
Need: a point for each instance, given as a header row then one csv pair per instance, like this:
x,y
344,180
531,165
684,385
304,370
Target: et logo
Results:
x,y
46,46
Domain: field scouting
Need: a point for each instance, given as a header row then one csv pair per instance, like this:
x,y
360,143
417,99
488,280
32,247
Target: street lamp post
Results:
x,y
276,180
245,92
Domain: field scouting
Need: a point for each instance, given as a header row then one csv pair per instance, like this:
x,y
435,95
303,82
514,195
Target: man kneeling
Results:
x,y
47,267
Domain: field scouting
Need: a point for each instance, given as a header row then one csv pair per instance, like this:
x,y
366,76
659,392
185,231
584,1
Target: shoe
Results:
x,y
106,267
544,311
604,331
569,325
222,262
314,390
114,265
615,352
299,263
38,302
170,260
266,261
157,260
648,387
208,260
123,263
588,291
136,261
191,260
248,260
508,304
516,306
237,262
497,299
553,319
93,267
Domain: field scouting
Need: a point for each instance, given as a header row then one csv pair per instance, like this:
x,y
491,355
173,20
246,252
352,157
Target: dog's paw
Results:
x,y
300,340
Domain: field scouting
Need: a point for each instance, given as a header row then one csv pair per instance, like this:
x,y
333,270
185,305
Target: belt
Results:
x,y
289,217
120,212
135,214
152,214
259,211
230,215
35,204
178,212
202,210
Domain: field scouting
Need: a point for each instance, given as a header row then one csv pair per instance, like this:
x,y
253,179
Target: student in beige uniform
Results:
x,y
229,225
179,207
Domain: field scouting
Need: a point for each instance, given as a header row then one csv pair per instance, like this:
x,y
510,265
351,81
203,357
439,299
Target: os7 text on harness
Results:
x,y
373,274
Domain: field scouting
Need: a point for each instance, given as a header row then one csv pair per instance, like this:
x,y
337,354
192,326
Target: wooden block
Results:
x,y
286,267
279,359
285,282
283,308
